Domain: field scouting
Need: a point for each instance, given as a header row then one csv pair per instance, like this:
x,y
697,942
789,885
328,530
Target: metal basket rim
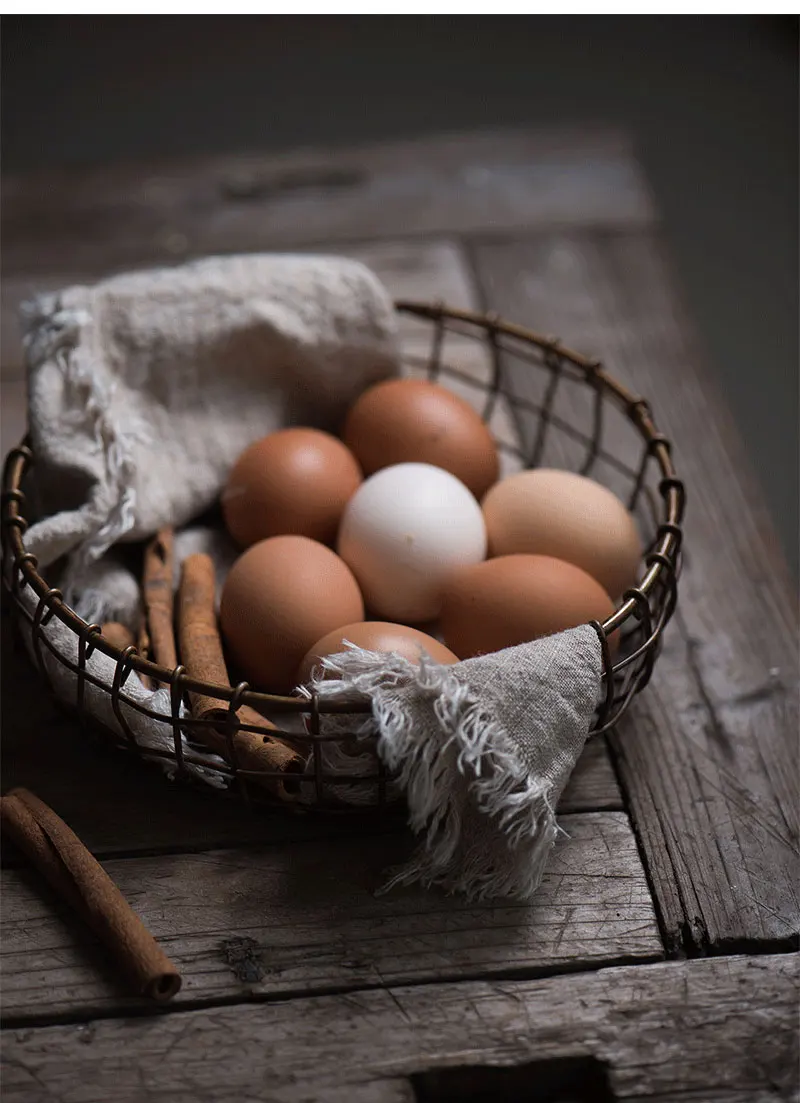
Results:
x,y
660,559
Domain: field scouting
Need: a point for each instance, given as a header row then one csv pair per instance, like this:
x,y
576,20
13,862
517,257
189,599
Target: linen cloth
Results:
x,y
482,750
144,389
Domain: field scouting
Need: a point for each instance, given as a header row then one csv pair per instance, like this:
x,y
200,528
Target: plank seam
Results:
x,y
35,1021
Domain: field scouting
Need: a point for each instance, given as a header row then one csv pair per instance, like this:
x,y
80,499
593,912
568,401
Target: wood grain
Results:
x,y
303,918
709,756
77,226
163,212
716,1031
593,786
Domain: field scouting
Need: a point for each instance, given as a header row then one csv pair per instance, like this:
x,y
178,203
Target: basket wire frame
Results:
x,y
656,494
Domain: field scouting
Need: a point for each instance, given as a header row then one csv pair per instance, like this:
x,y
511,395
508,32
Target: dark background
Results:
x,y
712,104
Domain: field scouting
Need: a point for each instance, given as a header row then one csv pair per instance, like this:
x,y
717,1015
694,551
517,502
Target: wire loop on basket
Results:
x,y
561,403
231,728
19,563
41,618
316,746
175,702
18,522
12,496
597,426
121,674
608,701
670,528
85,649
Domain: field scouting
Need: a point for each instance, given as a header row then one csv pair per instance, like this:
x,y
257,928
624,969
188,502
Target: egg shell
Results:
x,y
404,531
376,635
413,421
516,598
279,597
296,481
570,517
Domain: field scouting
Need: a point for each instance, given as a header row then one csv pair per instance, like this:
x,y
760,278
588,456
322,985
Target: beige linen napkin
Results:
x,y
144,389
482,750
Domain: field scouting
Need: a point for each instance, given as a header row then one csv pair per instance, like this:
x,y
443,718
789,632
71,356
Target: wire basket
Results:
x,y
546,406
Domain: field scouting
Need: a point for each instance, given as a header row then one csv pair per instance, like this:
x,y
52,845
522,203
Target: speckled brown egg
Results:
x,y
515,598
281,596
376,635
559,513
413,421
296,481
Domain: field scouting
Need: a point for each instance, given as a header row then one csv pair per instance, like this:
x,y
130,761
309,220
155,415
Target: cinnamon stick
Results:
x,y
118,635
201,653
143,647
158,599
81,881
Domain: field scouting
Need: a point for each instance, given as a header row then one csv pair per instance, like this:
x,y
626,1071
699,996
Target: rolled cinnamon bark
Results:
x,y
158,597
118,635
143,647
201,653
81,881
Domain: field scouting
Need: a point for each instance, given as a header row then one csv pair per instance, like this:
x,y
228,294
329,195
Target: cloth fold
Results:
x,y
144,389
482,751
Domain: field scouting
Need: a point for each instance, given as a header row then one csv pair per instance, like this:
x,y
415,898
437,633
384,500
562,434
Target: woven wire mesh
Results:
x,y
545,405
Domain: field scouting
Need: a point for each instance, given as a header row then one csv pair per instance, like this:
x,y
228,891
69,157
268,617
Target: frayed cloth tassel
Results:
x,y
481,750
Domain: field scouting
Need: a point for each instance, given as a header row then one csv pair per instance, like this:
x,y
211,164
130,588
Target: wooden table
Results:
x,y
655,961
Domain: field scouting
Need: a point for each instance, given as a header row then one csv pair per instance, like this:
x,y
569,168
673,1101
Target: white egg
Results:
x,y
403,533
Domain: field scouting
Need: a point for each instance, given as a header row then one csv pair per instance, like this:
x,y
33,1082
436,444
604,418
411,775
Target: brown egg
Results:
x,y
295,481
502,602
559,513
376,635
411,421
279,597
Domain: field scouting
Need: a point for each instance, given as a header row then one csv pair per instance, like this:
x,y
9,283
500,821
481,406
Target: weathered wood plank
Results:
x,y
718,1031
63,228
764,1094
120,215
276,920
13,413
708,758
593,786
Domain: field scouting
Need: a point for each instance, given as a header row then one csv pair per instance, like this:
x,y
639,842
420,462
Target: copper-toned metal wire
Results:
x,y
175,703
642,614
121,674
85,648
